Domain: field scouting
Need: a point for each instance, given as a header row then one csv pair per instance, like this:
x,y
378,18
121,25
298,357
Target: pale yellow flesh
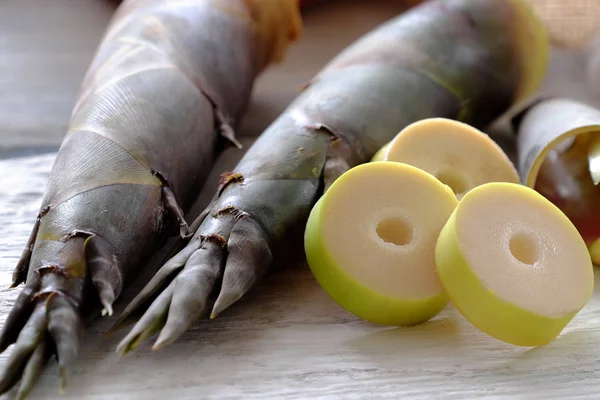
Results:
x,y
382,203
524,250
458,154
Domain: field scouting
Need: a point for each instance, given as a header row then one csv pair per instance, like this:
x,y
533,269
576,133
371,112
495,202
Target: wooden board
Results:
x,y
286,339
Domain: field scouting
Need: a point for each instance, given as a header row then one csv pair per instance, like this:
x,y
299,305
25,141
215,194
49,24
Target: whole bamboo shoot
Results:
x,y
167,77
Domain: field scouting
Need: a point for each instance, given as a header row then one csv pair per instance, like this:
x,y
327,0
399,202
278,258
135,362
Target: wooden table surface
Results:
x,y
286,339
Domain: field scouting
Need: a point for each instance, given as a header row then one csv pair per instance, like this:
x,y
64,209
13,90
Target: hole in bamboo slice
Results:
x,y
455,180
396,230
524,249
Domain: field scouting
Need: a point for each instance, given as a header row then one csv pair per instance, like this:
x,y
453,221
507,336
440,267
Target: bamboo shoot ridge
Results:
x,y
353,107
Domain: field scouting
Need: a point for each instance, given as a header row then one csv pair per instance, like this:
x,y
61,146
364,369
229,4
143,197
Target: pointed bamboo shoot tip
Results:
x,y
124,352
124,349
159,344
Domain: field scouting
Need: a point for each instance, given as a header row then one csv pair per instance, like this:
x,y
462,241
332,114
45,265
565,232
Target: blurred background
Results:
x,y
46,46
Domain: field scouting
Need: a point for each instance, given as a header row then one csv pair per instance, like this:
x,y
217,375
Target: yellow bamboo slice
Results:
x,y
513,264
458,154
370,242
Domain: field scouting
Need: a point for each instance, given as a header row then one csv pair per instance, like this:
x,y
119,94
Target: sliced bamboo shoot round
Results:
x,y
513,264
370,242
456,153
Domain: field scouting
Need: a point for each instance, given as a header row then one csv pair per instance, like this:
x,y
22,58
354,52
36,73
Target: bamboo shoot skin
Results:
x,y
554,139
168,79
405,70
